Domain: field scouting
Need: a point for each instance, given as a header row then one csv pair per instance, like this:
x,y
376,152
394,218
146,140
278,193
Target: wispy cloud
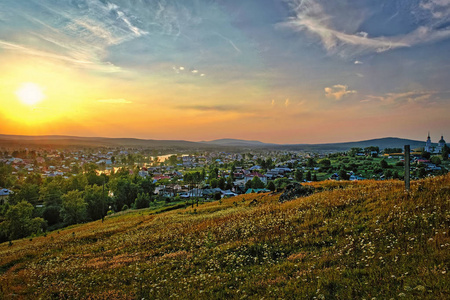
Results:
x,y
314,18
438,8
115,101
357,62
404,97
338,91
77,32
218,108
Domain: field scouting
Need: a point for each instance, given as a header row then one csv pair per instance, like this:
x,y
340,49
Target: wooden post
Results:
x,y
407,160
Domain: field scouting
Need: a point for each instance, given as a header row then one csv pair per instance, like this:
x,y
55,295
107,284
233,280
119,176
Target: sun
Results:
x,y
30,93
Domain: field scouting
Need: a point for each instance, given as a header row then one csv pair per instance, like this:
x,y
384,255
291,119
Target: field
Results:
x,y
351,240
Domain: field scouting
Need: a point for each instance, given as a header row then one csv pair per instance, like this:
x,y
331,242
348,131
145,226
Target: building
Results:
x,y
438,148
441,144
428,147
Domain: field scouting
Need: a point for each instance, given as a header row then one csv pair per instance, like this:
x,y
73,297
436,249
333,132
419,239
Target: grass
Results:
x,y
352,240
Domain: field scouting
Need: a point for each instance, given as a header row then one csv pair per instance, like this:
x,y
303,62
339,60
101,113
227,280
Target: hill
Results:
x,y
221,144
74,141
349,240
382,143
239,143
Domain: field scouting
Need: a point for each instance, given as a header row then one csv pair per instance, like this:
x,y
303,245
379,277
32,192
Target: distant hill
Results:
x,y
239,143
74,141
382,143
389,142
220,144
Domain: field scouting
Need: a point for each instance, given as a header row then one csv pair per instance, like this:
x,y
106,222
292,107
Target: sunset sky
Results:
x,y
308,71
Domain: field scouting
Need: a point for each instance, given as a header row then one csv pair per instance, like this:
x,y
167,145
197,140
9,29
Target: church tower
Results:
x,y
428,144
441,144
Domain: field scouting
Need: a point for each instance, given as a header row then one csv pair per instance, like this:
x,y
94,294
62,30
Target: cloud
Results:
x,y
404,97
220,108
76,32
115,101
357,62
326,23
338,91
438,8
286,102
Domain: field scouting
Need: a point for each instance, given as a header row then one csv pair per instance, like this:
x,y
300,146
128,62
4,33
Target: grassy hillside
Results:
x,y
352,240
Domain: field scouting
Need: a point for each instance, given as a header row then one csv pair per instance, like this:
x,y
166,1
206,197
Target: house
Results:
x,y
4,195
250,176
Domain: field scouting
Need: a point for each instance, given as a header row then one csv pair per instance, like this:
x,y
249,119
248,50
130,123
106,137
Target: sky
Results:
x,y
279,71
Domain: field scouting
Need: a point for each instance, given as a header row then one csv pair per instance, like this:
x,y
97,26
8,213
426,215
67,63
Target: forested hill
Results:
x,y
348,240
228,144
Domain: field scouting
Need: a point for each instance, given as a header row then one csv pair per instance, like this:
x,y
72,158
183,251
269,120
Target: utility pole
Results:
x,y
103,200
407,167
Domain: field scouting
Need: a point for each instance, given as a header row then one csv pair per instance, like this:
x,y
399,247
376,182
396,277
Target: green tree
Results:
x,y
343,175
142,201
298,175
308,176
271,186
19,221
213,183
325,162
222,183
27,192
257,183
436,160
445,152
384,164
314,177
311,162
425,154
96,201
73,208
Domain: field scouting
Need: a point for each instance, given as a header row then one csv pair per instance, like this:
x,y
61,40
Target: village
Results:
x,y
217,173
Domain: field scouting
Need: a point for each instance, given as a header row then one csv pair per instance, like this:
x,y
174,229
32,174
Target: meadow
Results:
x,y
349,240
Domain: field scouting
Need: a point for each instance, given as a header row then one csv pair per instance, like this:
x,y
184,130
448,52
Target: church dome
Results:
x,y
442,141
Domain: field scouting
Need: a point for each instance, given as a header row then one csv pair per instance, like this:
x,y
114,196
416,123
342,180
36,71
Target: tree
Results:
x,y
325,162
257,183
445,152
73,208
384,164
214,183
343,175
172,160
50,194
314,177
95,198
298,175
27,192
229,184
354,151
425,154
142,201
308,176
436,160
222,183
388,174
19,222
311,162
421,172
271,186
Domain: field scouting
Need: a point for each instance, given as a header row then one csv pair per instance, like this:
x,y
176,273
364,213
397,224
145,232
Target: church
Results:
x,y
430,148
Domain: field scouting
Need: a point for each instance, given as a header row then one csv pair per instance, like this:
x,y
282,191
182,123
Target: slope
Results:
x,y
351,240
